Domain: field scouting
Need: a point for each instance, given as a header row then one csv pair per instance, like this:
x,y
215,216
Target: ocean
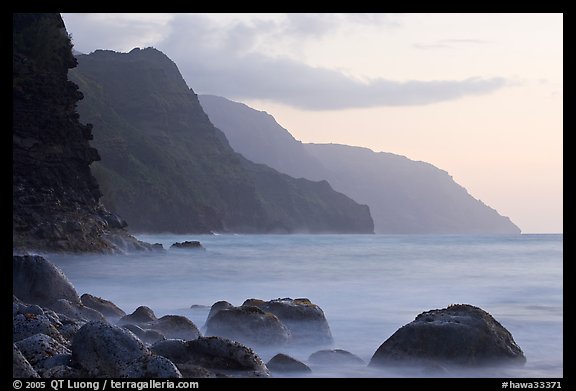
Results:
x,y
367,285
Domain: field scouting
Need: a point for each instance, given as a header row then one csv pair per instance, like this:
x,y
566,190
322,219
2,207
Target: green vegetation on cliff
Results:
x,y
166,168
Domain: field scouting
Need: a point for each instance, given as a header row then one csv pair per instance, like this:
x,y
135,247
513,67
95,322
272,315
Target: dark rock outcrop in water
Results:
x,y
166,168
335,357
55,198
191,244
460,334
404,196
304,319
283,363
249,325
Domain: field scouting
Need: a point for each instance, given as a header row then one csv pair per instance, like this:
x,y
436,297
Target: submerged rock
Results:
x,y
304,320
283,363
102,349
460,334
335,357
249,325
193,244
110,310
37,281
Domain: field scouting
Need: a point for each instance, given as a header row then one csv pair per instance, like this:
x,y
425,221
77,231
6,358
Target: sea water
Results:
x,y
367,285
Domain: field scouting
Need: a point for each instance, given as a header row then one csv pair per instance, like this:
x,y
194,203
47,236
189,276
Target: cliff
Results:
x,y
166,168
404,196
55,199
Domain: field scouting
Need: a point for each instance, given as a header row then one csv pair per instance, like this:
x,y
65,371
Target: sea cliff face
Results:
x,y
55,197
166,168
404,196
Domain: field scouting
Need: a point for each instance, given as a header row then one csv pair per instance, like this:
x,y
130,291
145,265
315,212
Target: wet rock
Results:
x,y
142,314
102,349
460,334
147,336
188,244
217,307
214,353
196,372
27,324
174,327
304,320
249,325
335,357
110,310
42,352
62,372
283,363
38,281
21,368
76,311
149,366
157,247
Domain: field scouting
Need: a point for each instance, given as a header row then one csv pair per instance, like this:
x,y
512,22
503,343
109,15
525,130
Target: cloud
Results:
x,y
246,58
449,43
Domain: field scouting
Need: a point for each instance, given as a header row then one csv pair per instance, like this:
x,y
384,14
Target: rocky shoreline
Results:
x,y
60,334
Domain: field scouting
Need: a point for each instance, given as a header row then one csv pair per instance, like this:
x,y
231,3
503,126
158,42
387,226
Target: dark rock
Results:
x,y
157,247
76,311
148,336
110,310
149,366
195,372
249,325
55,198
38,281
142,314
62,372
193,244
42,352
218,306
102,349
21,368
174,326
214,353
460,334
284,363
335,357
305,320
28,324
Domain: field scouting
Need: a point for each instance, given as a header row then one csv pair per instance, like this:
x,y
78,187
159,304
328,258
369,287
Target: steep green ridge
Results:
x,y
55,199
405,196
166,168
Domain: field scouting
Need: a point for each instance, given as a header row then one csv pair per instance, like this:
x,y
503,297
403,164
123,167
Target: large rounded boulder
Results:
x,y
249,325
38,281
110,310
304,320
460,334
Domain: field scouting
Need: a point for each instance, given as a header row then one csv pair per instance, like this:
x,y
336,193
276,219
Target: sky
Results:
x,y
477,95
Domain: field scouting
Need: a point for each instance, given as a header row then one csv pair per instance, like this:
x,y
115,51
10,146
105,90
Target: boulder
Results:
x,y
43,352
249,325
110,310
76,311
142,314
27,324
62,372
283,363
217,307
174,327
102,349
335,357
36,280
196,372
304,320
151,366
214,353
188,244
147,336
21,368
460,334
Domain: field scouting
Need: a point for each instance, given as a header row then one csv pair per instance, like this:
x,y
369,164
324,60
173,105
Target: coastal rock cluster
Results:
x,y
57,333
